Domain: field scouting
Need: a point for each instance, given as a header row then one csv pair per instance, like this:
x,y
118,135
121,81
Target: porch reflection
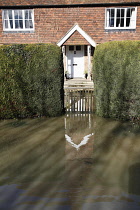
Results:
x,y
79,136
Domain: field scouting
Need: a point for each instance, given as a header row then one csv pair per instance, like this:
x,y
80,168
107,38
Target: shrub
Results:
x,y
32,80
116,72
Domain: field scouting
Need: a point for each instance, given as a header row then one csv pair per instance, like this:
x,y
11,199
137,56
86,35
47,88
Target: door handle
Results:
x,y
74,64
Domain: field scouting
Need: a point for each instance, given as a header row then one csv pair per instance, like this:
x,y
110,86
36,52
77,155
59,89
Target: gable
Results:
x,y
76,39
81,32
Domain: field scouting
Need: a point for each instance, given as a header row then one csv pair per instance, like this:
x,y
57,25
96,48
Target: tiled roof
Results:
x,y
60,2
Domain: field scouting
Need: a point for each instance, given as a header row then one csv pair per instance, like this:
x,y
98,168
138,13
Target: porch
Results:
x,y
78,49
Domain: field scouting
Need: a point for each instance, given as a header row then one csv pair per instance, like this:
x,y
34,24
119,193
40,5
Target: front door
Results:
x,y
75,61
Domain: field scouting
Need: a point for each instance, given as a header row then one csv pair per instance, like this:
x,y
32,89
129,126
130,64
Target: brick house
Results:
x,y
75,25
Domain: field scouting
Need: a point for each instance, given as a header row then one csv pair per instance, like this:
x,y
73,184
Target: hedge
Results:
x,y
32,81
116,72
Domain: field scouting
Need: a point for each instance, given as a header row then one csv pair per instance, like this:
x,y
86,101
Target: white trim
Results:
x,y
83,33
124,27
13,20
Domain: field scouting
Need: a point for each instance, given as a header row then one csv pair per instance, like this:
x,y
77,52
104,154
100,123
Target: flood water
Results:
x,y
77,161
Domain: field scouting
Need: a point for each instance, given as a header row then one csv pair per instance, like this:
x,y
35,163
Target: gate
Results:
x,y
79,100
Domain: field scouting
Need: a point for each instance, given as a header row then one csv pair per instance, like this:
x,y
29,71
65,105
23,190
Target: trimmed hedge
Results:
x,y
116,73
32,81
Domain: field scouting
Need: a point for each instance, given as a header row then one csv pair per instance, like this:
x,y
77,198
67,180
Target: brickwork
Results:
x,y
51,24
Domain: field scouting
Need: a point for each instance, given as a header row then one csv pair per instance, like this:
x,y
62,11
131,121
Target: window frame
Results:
x,y
14,29
125,17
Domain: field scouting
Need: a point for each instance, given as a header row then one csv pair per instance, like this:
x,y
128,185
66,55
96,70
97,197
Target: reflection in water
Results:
x,y
41,169
83,142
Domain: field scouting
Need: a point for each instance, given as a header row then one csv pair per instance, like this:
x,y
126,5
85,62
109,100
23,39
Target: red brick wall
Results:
x,y
51,24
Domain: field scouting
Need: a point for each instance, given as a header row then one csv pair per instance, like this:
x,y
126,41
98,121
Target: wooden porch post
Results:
x,y
89,60
64,59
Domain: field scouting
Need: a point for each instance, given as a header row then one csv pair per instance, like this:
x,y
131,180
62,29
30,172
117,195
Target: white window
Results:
x,y
18,20
121,18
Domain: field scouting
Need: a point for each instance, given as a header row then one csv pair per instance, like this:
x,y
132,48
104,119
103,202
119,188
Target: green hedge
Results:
x,y
116,72
32,81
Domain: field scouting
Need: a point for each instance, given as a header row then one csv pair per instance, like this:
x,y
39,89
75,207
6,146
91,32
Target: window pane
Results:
x,y
132,13
28,19
111,19
128,17
112,13
28,24
71,48
31,23
10,14
11,24
16,24
122,13
122,22
20,24
133,18
122,18
16,14
6,23
127,22
30,15
5,14
20,14
26,15
118,19
128,13
78,47
18,19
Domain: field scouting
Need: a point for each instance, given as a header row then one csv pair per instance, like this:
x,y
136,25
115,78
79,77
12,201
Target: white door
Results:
x,y
75,61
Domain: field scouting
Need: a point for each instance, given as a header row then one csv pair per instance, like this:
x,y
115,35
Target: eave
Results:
x,y
72,5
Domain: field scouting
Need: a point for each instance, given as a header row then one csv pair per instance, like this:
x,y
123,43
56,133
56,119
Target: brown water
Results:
x,y
71,162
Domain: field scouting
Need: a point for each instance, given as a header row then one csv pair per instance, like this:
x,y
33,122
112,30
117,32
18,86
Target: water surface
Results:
x,y
77,161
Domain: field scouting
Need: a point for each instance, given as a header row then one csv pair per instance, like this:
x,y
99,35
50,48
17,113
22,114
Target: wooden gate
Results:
x,y
79,100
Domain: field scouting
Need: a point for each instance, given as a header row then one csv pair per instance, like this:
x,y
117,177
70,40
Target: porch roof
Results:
x,y
14,3
76,39
76,28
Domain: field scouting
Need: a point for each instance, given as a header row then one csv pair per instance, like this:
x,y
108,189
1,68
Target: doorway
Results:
x,y
75,61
